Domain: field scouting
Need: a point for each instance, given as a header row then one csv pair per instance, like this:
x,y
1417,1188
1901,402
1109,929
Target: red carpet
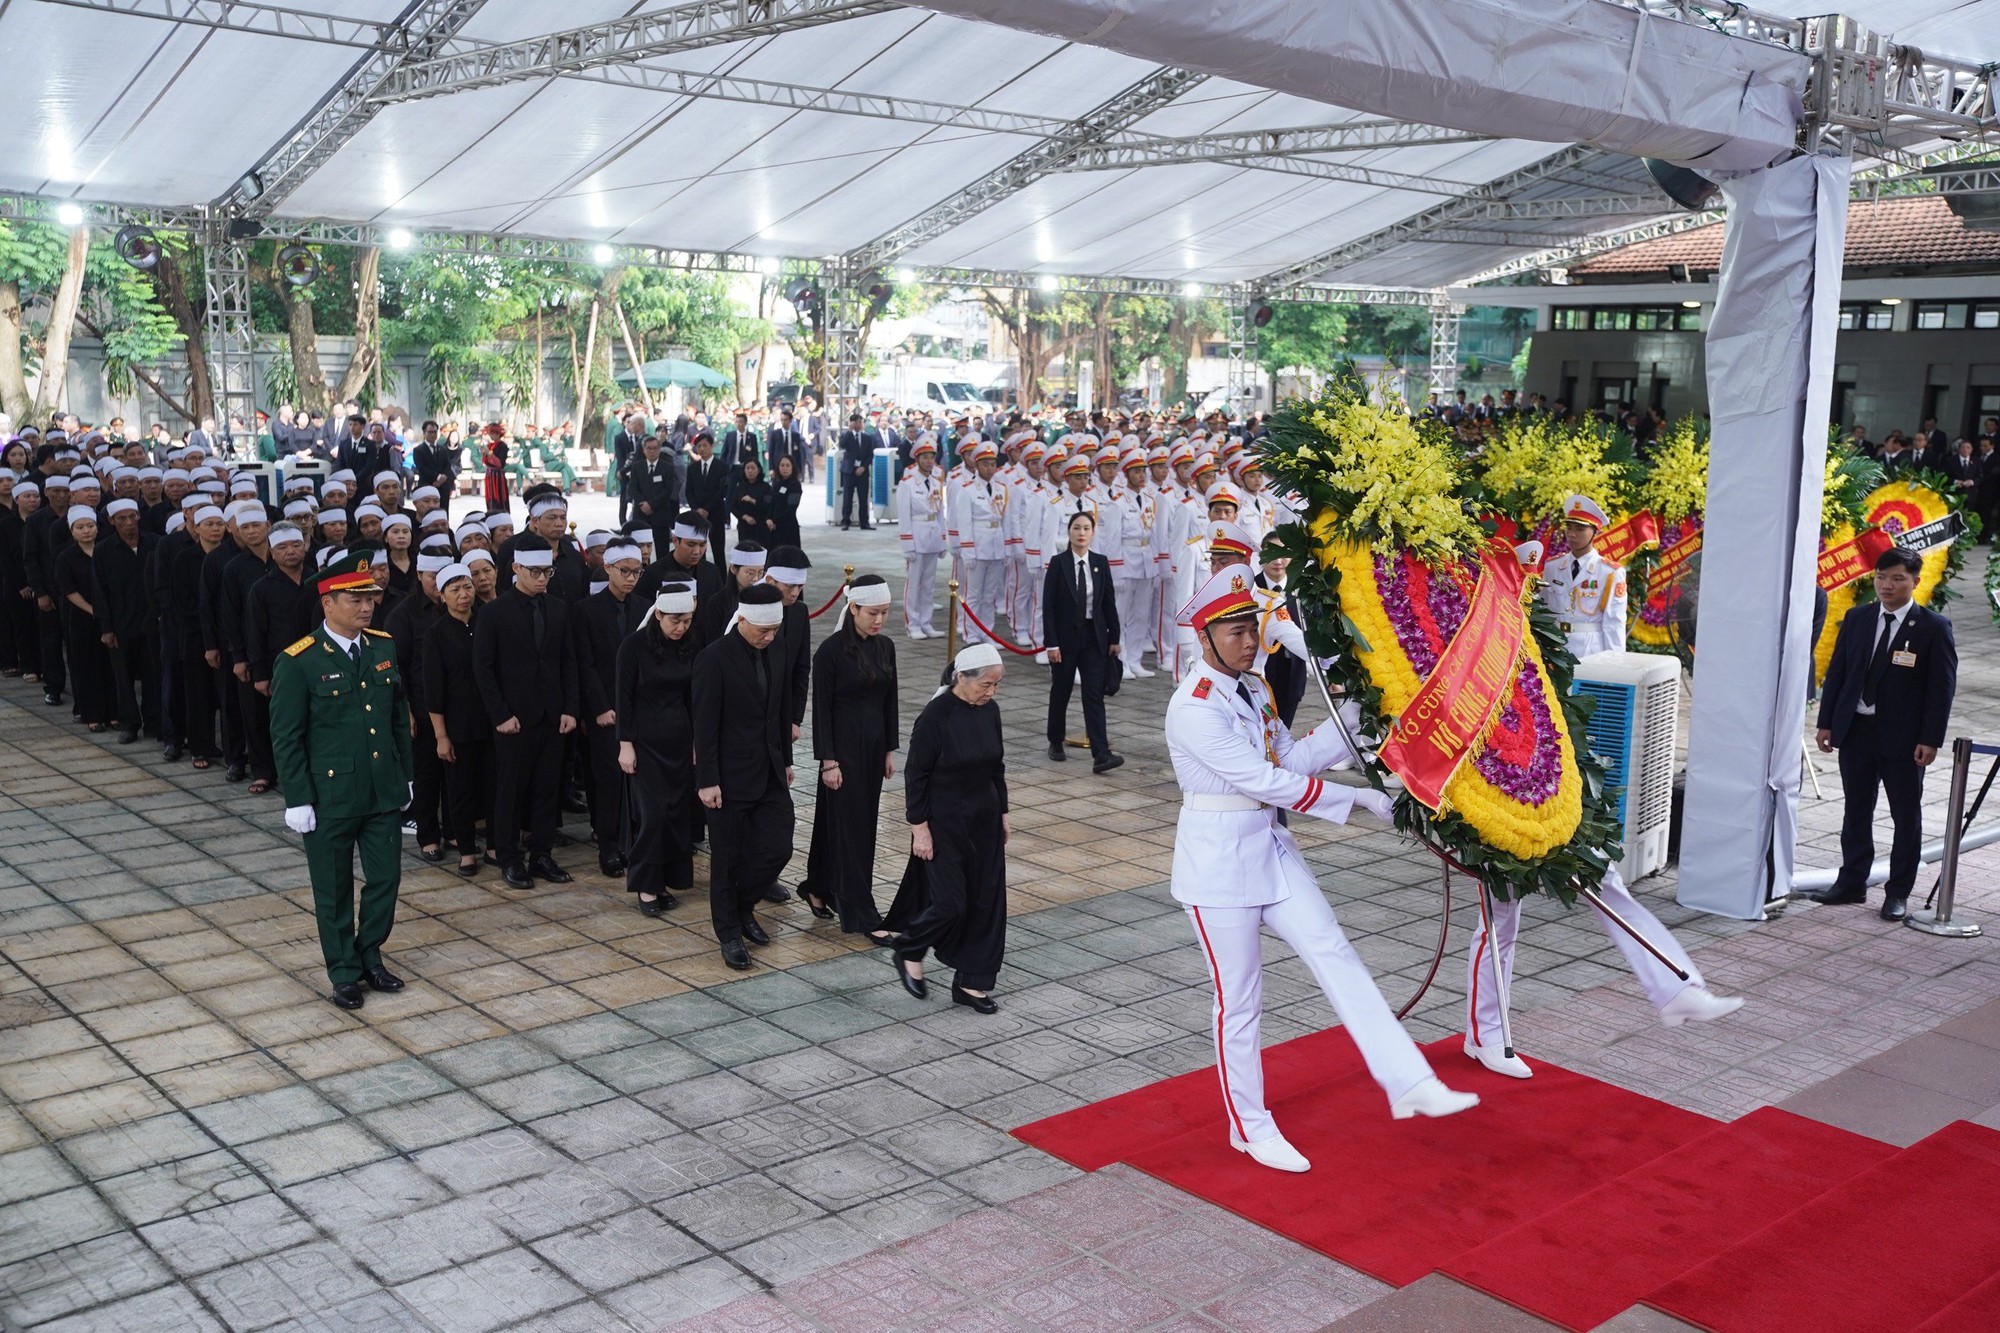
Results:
x,y
1896,1245
1575,1200
1591,1258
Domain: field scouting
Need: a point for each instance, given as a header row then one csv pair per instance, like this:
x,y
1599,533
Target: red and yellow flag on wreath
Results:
x,y
1844,562
1475,673
1673,563
1617,542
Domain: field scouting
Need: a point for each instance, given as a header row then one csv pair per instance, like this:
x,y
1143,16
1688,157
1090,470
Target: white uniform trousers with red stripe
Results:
x,y
1482,1008
1229,938
919,590
984,587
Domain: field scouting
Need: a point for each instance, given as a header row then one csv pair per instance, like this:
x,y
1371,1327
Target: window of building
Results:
x,y
1956,315
1866,315
1614,318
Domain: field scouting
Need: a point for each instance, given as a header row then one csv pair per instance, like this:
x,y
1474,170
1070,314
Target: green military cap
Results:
x,y
351,572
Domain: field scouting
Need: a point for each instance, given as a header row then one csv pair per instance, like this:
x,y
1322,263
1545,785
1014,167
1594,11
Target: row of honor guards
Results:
x,y
1001,513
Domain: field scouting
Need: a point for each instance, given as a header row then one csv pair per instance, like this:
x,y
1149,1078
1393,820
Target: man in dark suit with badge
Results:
x,y
1884,706
340,736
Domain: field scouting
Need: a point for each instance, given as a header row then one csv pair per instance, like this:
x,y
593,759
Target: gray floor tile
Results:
x,y
78,1277
489,1293
413,1126
621,1250
217,1237
738,1211
258,1293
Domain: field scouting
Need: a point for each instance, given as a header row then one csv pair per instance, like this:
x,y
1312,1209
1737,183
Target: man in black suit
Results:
x,y
127,620
524,662
681,547
1884,706
707,494
624,448
651,486
738,443
1080,627
603,621
785,440
857,467
743,768
430,460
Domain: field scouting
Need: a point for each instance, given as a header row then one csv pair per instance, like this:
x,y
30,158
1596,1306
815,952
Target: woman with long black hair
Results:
x,y
787,489
750,501
462,731
655,728
854,739
89,664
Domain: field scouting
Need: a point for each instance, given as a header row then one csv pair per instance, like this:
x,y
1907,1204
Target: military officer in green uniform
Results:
x,y
340,735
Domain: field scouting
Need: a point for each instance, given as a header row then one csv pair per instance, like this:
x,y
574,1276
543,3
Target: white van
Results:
x,y
955,396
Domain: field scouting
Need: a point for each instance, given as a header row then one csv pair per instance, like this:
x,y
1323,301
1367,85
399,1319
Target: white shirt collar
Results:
x,y
345,645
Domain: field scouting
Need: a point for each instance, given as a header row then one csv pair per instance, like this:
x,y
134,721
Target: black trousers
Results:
x,y
255,710
749,843
229,702
1087,662
1869,759
426,781
527,789
468,792
198,701
718,545
605,789
135,672
852,485
49,633
20,613
173,695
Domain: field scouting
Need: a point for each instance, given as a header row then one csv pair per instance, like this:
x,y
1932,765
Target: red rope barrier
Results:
x,y
998,641
837,594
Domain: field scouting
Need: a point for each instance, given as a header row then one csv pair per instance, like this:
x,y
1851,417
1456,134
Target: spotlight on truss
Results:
x,y
137,246
69,215
298,265
1690,189
804,294
1261,313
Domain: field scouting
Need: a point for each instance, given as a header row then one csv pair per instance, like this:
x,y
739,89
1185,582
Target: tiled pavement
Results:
x,y
576,1118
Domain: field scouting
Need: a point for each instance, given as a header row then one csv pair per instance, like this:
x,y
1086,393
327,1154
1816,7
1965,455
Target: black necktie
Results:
x,y
541,623
1575,568
1243,693
1878,665
354,654
1082,590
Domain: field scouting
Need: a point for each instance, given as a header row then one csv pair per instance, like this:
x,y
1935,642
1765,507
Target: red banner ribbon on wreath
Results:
x,y
1617,542
1673,563
1841,564
1455,705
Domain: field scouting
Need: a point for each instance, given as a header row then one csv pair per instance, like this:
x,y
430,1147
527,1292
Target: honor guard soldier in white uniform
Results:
x,y
1584,590
920,532
1238,869
1026,516
982,541
1132,580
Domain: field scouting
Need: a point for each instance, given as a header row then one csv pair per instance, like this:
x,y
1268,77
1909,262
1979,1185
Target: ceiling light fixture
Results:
x,y
401,239
603,253
69,215
1047,282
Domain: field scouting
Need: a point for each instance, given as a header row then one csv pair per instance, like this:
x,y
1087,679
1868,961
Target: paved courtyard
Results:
x,y
577,1118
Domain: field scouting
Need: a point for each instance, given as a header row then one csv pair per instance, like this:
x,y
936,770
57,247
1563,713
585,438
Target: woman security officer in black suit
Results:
x,y
1080,627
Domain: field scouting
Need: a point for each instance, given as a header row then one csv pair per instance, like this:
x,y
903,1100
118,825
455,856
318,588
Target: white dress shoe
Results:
x,y
1496,1059
1432,1098
1697,1004
1272,1152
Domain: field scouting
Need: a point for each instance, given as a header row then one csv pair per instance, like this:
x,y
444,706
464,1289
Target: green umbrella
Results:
x,y
676,372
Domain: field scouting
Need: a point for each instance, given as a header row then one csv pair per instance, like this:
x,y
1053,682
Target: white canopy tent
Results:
x,y
1266,147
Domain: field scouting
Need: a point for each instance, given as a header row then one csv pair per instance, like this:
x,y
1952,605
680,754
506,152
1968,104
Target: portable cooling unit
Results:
x,y
1635,731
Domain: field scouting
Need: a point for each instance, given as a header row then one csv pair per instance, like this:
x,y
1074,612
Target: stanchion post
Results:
x,y
951,621
1940,922
847,577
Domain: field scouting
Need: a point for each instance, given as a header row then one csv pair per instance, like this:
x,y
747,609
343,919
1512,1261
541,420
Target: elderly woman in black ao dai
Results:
x,y
656,749
854,739
953,897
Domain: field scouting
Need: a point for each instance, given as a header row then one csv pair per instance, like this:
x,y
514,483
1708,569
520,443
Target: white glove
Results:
x,y
411,797
300,818
1377,803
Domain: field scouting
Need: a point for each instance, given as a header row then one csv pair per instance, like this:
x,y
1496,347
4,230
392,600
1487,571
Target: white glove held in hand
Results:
x,y
300,818
1377,803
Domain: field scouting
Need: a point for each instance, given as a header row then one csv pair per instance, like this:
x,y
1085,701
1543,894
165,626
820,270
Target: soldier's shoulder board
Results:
x,y
381,634
1201,690
300,646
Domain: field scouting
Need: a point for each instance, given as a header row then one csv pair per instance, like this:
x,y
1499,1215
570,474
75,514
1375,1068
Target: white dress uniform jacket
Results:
x,y
1587,594
920,516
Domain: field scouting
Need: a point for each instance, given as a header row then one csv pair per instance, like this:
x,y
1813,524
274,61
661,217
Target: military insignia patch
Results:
x,y
1201,690
300,646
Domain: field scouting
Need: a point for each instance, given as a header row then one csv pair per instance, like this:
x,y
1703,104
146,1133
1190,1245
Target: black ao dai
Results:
x,y
854,724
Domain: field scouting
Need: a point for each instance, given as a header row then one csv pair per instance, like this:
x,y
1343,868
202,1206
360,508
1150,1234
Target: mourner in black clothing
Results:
x,y
17,599
431,460
89,665
409,625
240,573
127,621
652,485
462,734
752,505
280,608
953,897
706,493
602,622
857,465
44,532
524,660
654,704
1080,626
786,492
184,625
681,547
854,739
743,766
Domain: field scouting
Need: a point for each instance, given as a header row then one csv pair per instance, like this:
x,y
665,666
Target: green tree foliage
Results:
x,y
1302,336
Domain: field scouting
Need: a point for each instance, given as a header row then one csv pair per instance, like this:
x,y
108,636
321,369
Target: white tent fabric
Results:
x,y
1770,384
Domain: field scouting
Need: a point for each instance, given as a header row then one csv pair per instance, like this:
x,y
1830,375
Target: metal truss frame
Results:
x,y
231,335
262,19
1584,247
1241,380
422,30
685,27
1445,318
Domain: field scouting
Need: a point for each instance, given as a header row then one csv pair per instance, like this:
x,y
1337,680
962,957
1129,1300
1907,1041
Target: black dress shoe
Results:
x,y
611,867
128,738
734,954
1838,897
431,854
1059,752
915,985
469,871
382,979
1895,909
51,698
777,893
755,933
574,804
653,908
1107,763
820,910
545,867
235,773
978,1004
172,754
516,877
346,995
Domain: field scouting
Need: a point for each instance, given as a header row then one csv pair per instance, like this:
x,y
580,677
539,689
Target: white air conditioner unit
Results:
x,y
1635,730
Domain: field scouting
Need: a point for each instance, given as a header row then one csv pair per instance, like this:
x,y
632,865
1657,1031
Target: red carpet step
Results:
x,y
1913,1239
1588,1259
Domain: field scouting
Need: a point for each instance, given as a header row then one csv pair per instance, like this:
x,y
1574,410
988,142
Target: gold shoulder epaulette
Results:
x,y
381,633
300,646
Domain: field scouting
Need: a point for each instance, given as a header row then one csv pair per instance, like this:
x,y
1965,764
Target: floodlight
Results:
x,y
297,265
770,266
137,246
69,215
251,186
1261,313
1192,291
1690,189
602,253
803,293
906,276
401,239
1047,282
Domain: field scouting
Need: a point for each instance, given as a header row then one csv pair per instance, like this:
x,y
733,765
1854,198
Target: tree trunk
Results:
x,y
172,282
590,430
62,323
763,349
307,372
367,304
14,400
